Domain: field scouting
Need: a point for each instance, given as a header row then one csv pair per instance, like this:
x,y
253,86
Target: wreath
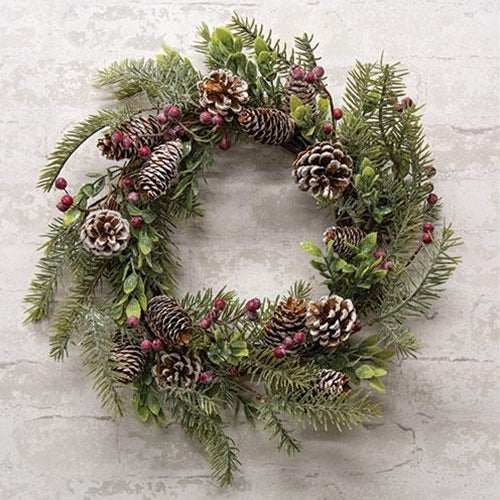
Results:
x,y
198,358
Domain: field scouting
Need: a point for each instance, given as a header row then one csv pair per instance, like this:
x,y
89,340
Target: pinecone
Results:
x,y
105,233
323,169
159,172
303,90
288,318
267,125
174,369
168,321
332,382
341,235
142,130
331,320
129,359
223,93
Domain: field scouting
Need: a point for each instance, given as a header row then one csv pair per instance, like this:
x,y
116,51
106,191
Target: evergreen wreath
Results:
x,y
197,358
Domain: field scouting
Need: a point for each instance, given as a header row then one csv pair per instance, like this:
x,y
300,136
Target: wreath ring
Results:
x,y
382,260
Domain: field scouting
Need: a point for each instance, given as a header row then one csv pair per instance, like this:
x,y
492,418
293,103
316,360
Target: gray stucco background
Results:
x,y
438,438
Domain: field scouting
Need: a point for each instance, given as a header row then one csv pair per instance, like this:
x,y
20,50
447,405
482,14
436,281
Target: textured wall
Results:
x,y
439,437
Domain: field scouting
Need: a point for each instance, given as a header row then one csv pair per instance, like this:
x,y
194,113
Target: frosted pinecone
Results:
x,y
175,369
160,171
168,321
267,125
332,382
223,93
129,359
340,235
331,320
105,233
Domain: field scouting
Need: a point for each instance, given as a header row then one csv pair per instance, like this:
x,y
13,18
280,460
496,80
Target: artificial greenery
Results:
x,y
386,199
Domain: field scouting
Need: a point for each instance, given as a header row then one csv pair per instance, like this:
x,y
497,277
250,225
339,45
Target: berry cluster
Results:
x,y
66,201
386,264
280,350
427,230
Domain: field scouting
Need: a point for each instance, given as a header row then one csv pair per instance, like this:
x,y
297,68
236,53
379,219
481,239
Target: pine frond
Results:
x,y
56,250
75,137
95,329
306,51
71,310
272,422
200,419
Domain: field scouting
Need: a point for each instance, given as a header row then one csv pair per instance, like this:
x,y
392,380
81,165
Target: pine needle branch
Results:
x,y
275,424
75,137
306,55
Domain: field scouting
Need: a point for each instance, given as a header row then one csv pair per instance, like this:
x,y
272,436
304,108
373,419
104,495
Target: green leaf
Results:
x,y
133,308
130,283
143,413
148,216
260,45
368,243
152,404
295,102
71,216
379,372
365,372
377,384
311,249
224,35
323,105
145,243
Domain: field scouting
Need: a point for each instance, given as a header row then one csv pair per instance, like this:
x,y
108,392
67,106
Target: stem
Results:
x,y
332,106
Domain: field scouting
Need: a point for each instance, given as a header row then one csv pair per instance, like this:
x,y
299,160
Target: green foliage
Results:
x,y
351,278
227,351
75,137
147,402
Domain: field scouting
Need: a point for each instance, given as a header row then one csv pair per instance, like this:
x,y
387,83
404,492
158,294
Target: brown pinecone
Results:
x,y
129,359
288,318
303,90
174,369
323,169
159,172
332,382
142,130
340,235
168,321
223,93
331,320
267,125
105,233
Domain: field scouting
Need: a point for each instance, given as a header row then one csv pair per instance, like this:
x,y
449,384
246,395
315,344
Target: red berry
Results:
x,y
127,182
174,113
357,326
61,183
319,71
213,313
161,118
430,171
299,337
387,265
62,207
379,254
157,344
252,315
217,120
297,73
253,305
428,227
132,321
133,197
219,304
427,238
167,108
337,114
287,342
327,128
205,323
279,352
146,345
232,371
144,151
407,102
206,378
205,118
225,143
432,199
127,143
136,221
67,200
310,77
117,137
